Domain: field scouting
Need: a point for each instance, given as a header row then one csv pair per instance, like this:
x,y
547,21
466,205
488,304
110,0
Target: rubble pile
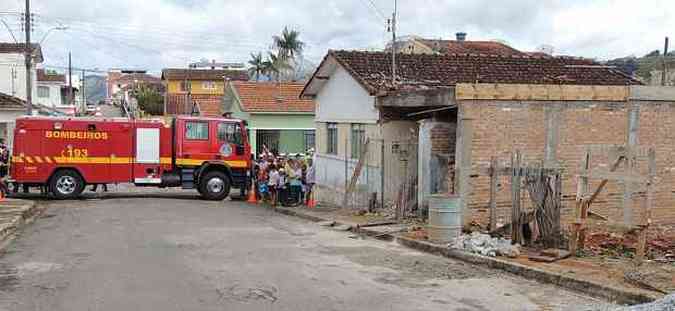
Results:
x,y
660,248
484,244
664,304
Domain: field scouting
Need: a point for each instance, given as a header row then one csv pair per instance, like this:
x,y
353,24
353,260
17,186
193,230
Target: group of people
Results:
x,y
4,159
284,180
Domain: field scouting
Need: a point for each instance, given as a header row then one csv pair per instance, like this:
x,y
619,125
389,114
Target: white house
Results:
x,y
13,69
349,124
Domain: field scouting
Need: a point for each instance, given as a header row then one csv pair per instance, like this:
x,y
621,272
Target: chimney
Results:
x,y
461,36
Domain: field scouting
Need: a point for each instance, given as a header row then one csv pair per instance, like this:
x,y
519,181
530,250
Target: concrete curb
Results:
x,y
609,293
29,209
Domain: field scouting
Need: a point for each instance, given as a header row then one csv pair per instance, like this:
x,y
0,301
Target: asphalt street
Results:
x,y
176,252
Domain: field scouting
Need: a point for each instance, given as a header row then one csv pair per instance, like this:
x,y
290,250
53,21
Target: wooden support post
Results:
x,y
641,246
585,206
582,189
516,227
556,216
641,249
494,174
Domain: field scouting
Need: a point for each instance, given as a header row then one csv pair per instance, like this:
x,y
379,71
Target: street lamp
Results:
x,y
60,27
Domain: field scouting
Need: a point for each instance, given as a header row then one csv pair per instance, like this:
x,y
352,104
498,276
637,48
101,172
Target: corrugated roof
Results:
x,y
272,97
204,74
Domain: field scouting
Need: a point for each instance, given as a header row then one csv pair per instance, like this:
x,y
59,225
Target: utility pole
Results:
x,y
84,98
70,81
664,73
393,45
28,58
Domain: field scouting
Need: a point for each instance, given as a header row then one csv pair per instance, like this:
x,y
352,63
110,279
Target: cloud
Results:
x,y
154,34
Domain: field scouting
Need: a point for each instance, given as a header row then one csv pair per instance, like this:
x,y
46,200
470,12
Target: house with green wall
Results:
x,y
276,116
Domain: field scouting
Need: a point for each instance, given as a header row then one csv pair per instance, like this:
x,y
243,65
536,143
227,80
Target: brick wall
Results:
x,y
501,127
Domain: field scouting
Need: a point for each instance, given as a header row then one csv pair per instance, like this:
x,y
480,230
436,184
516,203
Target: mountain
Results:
x,y
95,88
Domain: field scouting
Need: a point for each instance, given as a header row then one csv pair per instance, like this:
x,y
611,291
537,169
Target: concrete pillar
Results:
x,y
252,141
552,119
631,143
463,165
424,162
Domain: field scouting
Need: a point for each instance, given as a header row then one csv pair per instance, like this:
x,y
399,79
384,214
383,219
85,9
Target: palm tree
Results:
x,y
288,44
258,65
275,65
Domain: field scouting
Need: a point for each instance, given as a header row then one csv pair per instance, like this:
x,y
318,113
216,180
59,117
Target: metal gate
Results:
x,y
268,138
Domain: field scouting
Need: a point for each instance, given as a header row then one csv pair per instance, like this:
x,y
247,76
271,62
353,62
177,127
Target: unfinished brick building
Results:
x,y
551,109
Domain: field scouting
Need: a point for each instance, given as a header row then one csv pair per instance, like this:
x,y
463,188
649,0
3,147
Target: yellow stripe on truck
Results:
x,y
198,162
117,160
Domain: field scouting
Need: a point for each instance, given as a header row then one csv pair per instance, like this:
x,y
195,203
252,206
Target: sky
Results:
x,y
156,34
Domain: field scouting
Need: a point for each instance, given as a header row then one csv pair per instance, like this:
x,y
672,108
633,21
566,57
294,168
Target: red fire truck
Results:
x,y
64,155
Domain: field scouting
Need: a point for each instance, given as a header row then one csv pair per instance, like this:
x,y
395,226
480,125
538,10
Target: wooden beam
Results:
x,y
535,92
494,167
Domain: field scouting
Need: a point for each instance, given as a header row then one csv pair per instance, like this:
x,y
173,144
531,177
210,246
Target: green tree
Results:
x,y
257,64
275,66
288,44
149,100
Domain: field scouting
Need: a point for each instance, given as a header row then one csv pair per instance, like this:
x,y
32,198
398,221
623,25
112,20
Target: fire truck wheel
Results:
x,y
214,186
66,184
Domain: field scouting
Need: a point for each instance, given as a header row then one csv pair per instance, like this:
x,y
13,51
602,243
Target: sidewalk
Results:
x,y
14,213
575,274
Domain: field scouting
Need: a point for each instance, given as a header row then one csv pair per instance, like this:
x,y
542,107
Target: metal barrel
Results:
x,y
445,218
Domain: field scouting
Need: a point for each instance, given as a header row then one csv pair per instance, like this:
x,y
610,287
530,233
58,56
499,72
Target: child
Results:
x,y
272,184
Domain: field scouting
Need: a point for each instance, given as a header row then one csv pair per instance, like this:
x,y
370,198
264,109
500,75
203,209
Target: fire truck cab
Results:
x,y
64,155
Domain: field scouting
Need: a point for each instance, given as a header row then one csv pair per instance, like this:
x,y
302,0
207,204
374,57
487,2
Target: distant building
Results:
x,y
52,92
188,90
13,69
419,45
120,78
277,117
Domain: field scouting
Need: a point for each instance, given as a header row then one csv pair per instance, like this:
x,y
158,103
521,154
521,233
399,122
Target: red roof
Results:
x,y
272,97
423,71
467,47
43,76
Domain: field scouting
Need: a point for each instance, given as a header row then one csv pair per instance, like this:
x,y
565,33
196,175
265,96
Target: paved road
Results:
x,y
178,253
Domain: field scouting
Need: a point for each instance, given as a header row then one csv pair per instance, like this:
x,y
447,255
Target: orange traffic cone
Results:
x,y
311,203
251,195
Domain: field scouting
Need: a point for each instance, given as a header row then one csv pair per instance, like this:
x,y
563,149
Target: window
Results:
x,y
230,132
310,139
358,139
208,85
332,136
43,91
197,130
